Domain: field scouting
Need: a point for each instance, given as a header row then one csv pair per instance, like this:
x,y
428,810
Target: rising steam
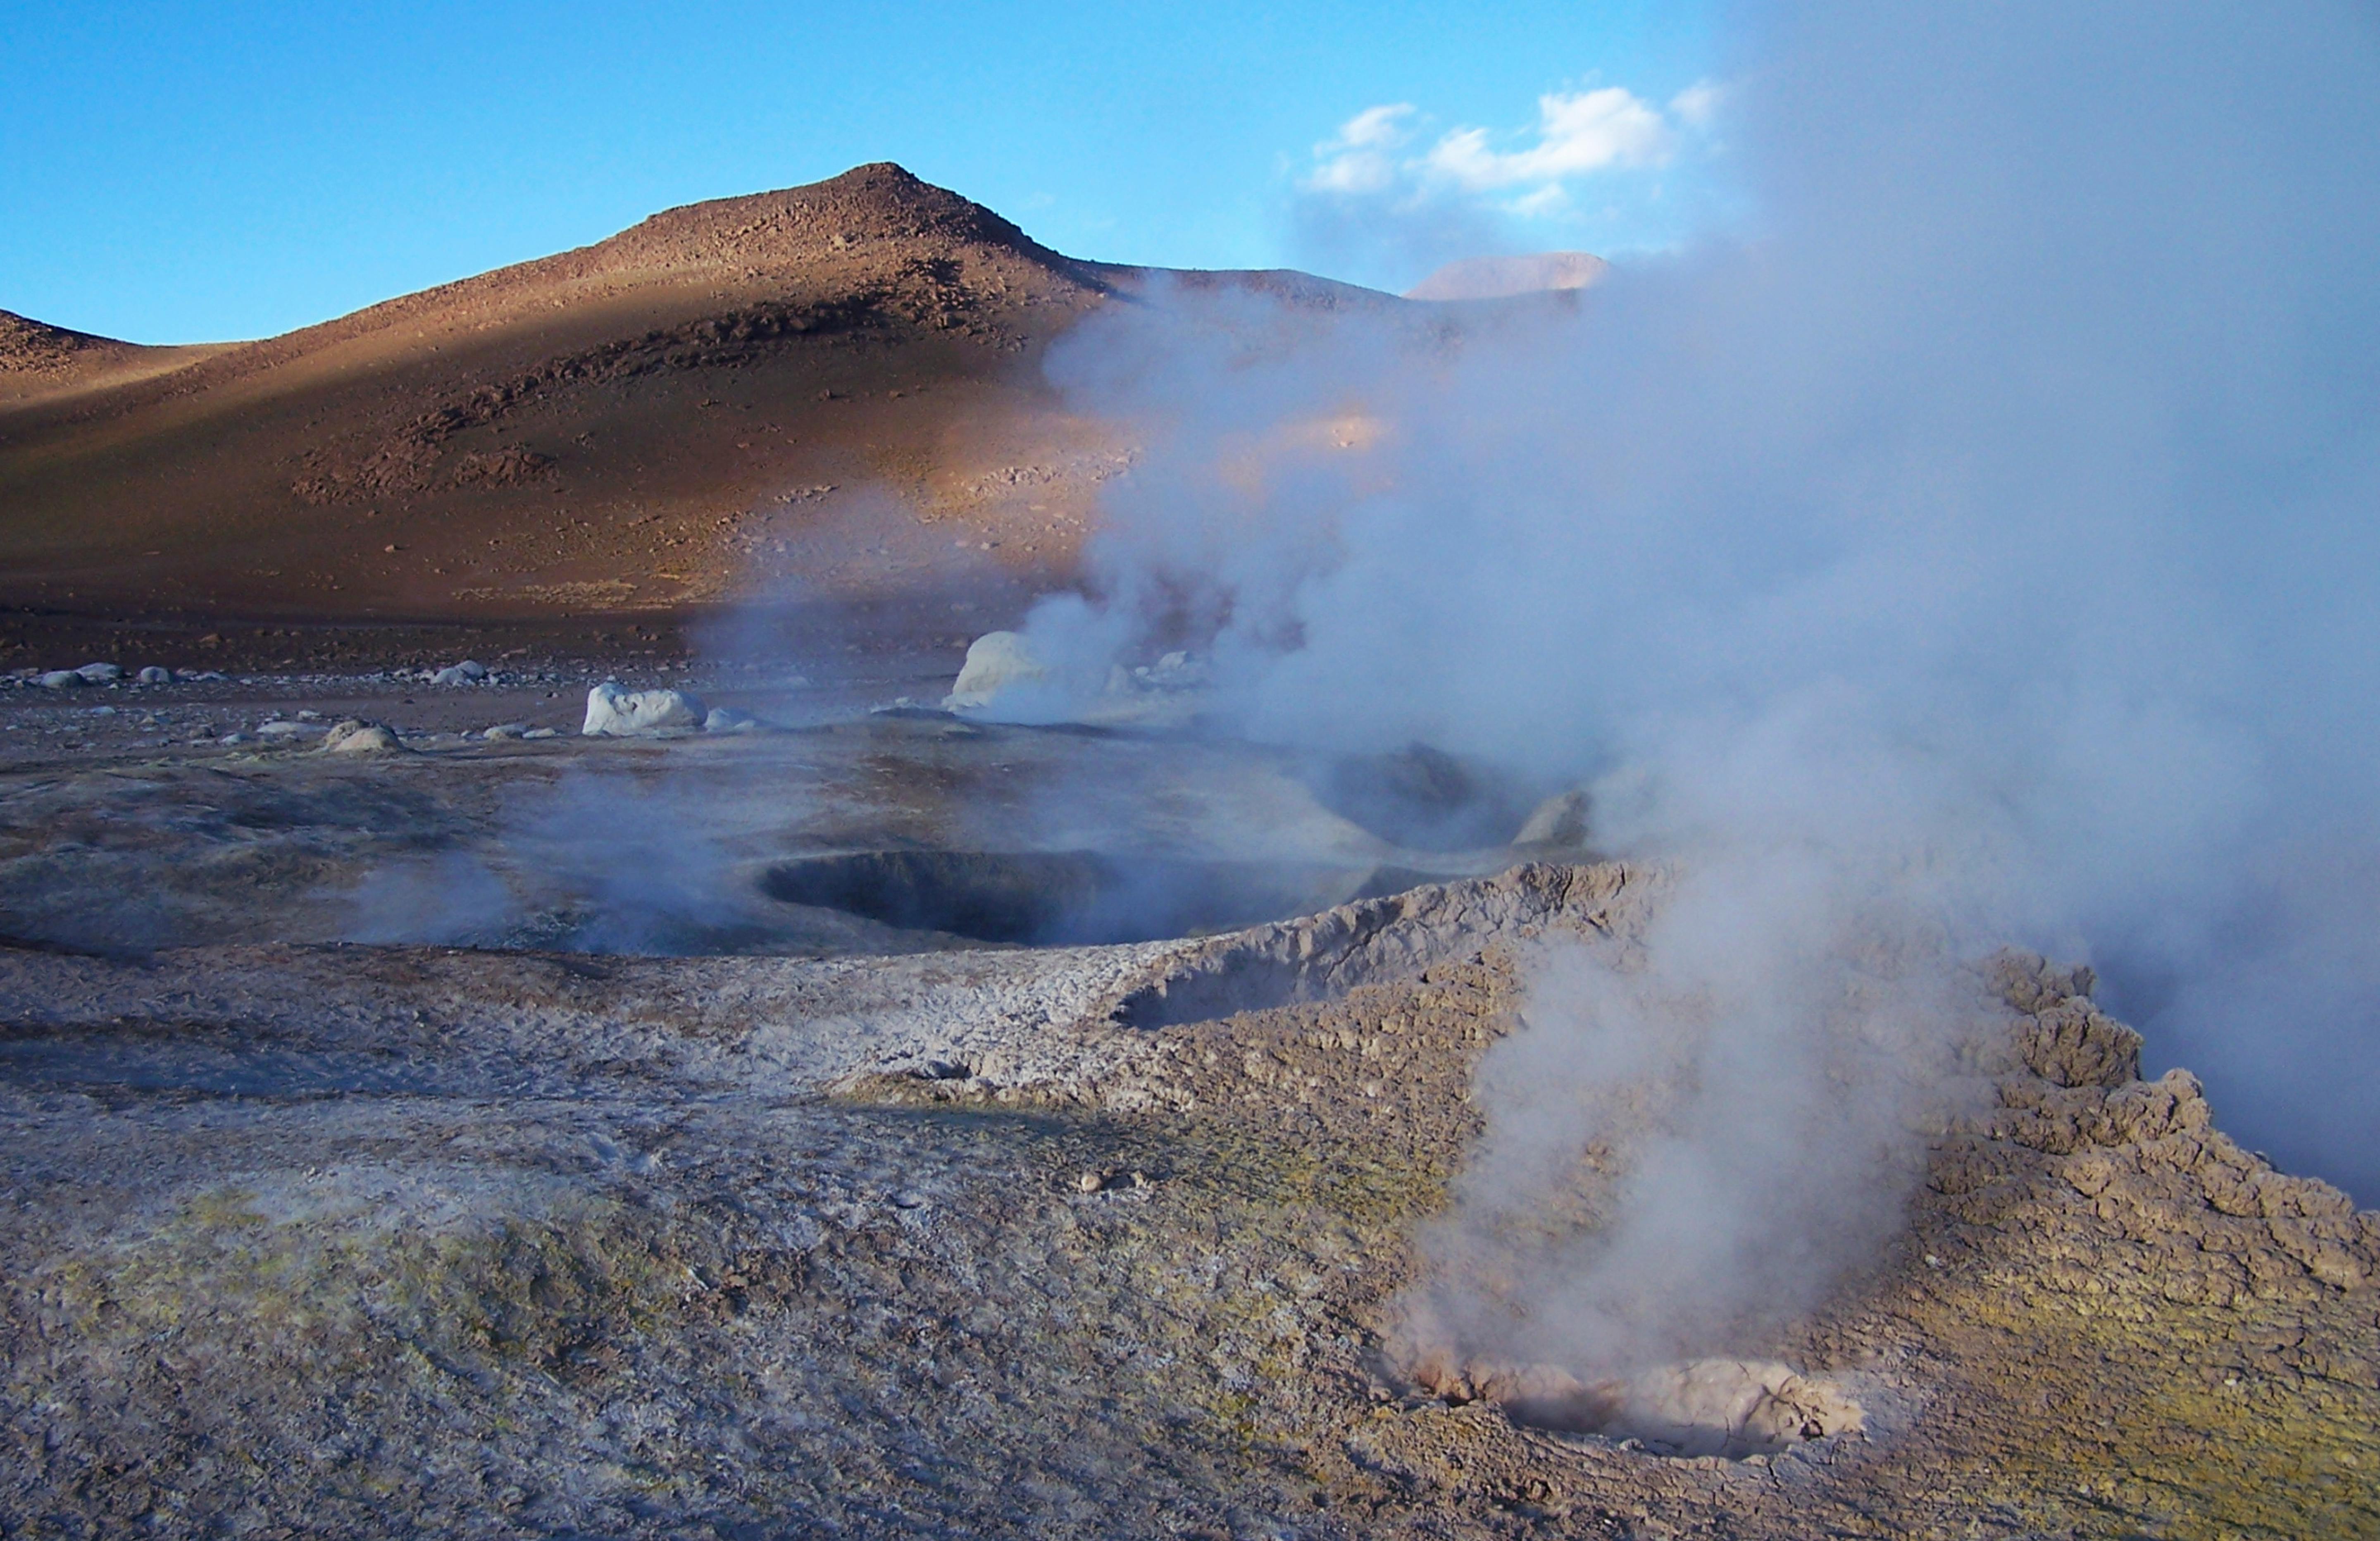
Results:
x,y
1976,545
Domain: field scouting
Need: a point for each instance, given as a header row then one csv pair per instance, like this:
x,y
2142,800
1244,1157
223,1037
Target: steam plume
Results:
x,y
1978,545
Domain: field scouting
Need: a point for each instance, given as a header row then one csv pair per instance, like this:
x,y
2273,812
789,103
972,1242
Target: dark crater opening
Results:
x,y
1243,982
1421,798
1060,898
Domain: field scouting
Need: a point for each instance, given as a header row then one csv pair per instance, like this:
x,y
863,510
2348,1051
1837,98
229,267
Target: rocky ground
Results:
x,y
850,1226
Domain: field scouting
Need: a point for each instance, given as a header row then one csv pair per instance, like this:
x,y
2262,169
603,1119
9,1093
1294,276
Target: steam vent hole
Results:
x,y
1725,1407
1056,898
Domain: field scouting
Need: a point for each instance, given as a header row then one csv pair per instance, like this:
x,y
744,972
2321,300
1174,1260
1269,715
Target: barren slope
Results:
x,y
837,385
41,362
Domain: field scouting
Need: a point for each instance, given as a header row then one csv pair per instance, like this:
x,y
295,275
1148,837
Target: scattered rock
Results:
x,y
101,674
153,674
356,736
61,679
995,660
468,672
617,712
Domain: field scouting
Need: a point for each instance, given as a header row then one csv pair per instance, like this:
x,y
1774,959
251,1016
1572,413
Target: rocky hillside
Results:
x,y
834,387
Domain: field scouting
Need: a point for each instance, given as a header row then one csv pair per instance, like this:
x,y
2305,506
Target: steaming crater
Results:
x,y
1732,1408
1422,798
1070,898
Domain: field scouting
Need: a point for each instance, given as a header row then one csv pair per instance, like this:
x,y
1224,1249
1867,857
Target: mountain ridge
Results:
x,y
832,390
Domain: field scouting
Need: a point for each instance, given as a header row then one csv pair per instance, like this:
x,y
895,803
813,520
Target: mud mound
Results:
x,y
1394,938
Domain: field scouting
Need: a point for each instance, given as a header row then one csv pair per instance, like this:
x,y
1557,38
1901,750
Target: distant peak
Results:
x,y
1502,277
876,202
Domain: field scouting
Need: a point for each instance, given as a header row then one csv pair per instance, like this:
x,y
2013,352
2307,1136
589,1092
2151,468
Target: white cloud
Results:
x,y
1697,104
1362,157
1578,132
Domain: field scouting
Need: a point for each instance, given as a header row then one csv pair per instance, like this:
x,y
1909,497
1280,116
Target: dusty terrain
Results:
x,y
504,1223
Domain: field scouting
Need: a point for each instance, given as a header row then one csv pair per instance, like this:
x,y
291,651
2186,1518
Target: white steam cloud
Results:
x,y
1981,546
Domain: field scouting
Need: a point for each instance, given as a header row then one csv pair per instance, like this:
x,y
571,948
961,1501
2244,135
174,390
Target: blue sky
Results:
x,y
176,172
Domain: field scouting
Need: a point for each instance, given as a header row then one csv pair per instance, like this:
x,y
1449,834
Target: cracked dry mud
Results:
x,y
315,1238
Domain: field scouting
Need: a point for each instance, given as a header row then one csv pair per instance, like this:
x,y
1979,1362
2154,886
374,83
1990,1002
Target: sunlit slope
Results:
x,y
839,379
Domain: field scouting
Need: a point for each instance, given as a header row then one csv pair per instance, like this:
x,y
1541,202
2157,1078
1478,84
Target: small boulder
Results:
x,y
614,711
994,662
61,679
505,729
468,672
729,719
101,674
156,675
356,736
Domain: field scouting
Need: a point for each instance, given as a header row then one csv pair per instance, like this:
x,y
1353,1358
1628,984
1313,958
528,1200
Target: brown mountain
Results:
x,y
833,389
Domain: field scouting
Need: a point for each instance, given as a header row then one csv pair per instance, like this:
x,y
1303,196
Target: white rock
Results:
x,y
506,730
156,675
468,672
994,662
61,679
101,674
618,712
540,732
729,719
356,736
